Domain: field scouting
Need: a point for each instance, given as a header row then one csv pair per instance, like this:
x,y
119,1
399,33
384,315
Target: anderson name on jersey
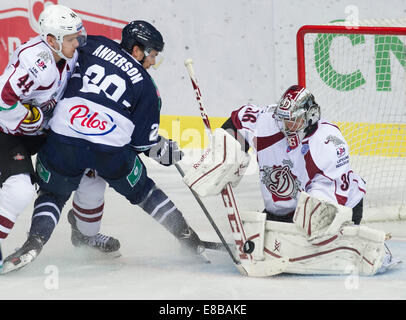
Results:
x,y
319,165
110,100
33,77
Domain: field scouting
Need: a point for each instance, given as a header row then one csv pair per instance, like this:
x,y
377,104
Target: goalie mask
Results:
x,y
296,113
60,21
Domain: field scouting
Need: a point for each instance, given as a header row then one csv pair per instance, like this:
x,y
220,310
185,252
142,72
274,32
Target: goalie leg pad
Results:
x,y
254,228
353,249
253,263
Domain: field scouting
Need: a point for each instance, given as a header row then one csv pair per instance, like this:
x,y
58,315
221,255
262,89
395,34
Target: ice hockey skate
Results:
x,y
23,256
99,242
192,245
389,261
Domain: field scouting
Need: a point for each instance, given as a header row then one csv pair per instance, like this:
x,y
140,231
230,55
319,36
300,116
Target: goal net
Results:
x,y
357,75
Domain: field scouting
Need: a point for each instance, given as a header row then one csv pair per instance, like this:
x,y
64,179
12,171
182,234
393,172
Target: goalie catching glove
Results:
x,y
222,162
32,121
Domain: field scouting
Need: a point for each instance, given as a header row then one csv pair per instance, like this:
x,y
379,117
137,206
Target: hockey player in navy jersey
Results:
x,y
108,115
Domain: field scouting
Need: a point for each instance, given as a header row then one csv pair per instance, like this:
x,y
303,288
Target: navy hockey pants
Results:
x,y
60,168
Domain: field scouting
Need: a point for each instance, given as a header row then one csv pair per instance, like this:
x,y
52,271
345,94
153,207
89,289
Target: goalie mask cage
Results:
x,y
357,75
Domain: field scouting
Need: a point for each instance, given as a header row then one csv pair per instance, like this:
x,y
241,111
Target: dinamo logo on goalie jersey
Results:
x,y
280,181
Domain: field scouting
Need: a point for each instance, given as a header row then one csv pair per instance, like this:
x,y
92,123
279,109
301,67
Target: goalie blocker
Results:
x,y
322,239
221,163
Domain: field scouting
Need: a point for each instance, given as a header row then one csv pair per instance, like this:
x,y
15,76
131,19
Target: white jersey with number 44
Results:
x,y
33,77
319,165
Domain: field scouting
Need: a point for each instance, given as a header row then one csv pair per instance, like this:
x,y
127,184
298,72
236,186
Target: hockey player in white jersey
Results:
x,y
32,83
313,199
298,151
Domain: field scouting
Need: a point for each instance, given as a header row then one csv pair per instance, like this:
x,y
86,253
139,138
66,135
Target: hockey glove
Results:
x,y
221,163
48,107
32,121
165,152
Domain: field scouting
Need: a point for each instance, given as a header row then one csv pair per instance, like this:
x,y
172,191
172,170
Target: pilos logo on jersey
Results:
x,y
280,181
87,122
19,24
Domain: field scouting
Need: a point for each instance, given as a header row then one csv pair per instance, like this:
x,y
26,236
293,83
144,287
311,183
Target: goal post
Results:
x,y
357,75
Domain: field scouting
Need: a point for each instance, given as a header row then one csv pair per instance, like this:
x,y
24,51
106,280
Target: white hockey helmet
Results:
x,y
296,113
60,21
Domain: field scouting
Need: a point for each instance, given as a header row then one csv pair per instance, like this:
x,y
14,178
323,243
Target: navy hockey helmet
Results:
x,y
142,34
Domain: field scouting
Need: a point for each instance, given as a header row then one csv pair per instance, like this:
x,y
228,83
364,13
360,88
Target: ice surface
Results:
x,y
152,267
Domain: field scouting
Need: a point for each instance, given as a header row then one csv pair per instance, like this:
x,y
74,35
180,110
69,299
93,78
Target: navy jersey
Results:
x,y
110,101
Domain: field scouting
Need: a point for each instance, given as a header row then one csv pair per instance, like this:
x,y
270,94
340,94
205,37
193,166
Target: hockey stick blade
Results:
x,y
215,245
264,268
258,269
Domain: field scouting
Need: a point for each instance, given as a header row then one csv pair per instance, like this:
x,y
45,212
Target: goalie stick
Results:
x,y
250,268
212,245
208,244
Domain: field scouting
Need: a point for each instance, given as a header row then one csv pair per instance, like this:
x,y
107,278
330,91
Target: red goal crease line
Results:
x,y
301,70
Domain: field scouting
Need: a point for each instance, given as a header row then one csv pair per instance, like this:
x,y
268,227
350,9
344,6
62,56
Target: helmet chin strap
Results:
x,y
146,54
59,52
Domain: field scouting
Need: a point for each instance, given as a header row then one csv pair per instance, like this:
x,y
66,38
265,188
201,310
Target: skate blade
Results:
x,y
200,256
92,253
16,263
204,256
389,265
113,255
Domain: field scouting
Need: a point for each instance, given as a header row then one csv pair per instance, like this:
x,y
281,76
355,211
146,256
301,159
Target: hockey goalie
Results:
x,y
313,199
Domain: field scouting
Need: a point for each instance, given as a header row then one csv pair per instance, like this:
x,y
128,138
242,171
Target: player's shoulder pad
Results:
x,y
39,63
328,146
270,108
112,55
251,108
251,111
93,42
93,39
327,134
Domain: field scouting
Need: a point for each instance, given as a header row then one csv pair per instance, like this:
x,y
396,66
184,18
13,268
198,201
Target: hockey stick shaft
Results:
x,y
227,193
206,212
203,113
